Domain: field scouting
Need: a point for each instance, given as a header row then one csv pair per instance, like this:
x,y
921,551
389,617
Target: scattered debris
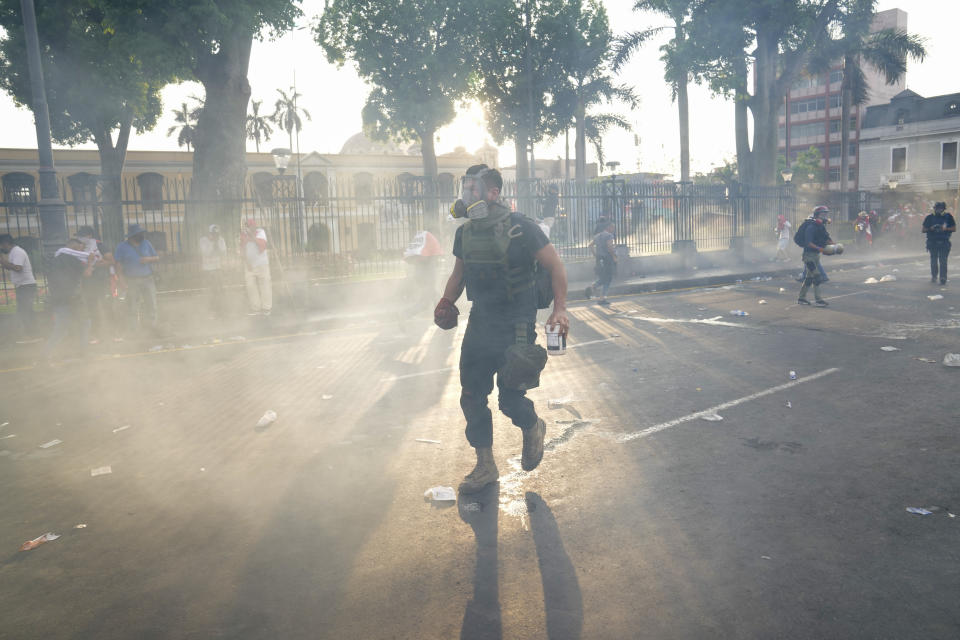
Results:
x,y
123,428
711,417
926,360
12,435
889,349
440,494
269,416
203,468
156,348
766,558
738,312
428,441
782,290
888,278
326,397
793,375
789,405
558,403
80,526
36,542
896,270
4,425
871,281
761,302
951,360
100,471
52,443
920,511
935,297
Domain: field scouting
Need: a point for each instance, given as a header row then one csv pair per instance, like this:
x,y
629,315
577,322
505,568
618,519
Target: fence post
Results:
x,y
683,243
740,199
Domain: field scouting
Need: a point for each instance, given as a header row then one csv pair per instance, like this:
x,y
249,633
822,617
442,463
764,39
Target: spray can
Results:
x,y
556,341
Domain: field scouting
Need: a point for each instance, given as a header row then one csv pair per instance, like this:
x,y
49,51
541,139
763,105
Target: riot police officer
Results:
x,y
938,226
498,255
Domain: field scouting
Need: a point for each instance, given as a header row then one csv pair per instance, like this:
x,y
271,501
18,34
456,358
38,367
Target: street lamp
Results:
x,y
281,158
892,184
787,175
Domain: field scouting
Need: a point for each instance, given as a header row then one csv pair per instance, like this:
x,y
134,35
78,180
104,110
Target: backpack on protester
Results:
x,y
800,236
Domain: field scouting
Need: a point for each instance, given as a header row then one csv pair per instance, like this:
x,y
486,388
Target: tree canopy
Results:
x,y
418,57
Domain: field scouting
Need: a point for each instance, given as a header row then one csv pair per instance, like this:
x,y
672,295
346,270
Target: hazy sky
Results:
x,y
334,96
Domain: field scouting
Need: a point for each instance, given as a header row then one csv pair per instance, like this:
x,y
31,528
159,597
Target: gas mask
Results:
x,y
471,203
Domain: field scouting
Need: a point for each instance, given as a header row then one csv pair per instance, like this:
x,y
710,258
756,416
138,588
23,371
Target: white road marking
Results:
x,y
712,321
414,375
844,295
583,344
627,437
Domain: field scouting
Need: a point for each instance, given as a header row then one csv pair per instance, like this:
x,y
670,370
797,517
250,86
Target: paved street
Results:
x,y
785,519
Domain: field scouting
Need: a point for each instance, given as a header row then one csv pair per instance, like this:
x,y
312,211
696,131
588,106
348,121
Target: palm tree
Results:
x,y
186,123
258,127
675,58
586,82
286,113
886,52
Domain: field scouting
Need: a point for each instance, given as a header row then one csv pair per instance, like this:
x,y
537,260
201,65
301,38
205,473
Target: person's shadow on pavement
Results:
x,y
481,620
562,600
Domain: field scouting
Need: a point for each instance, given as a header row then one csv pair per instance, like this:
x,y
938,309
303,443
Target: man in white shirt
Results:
x,y
212,250
256,268
15,260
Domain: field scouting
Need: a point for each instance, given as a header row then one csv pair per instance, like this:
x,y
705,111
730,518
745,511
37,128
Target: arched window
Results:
x,y
151,191
315,188
83,187
18,187
263,187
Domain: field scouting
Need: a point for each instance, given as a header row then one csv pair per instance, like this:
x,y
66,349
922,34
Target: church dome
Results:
x,y
360,144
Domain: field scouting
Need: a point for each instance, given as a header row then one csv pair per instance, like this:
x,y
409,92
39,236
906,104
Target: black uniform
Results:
x,y
938,243
500,317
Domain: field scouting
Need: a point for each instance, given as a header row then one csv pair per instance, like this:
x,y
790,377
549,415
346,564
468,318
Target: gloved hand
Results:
x,y
445,314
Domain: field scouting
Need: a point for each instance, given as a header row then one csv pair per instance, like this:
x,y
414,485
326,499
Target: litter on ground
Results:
x,y
889,349
36,542
951,360
711,417
871,281
888,278
100,471
935,297
428,441
440,494
52,443
269,416
123,428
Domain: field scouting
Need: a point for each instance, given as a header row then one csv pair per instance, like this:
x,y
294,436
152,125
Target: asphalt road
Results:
x,y
643,521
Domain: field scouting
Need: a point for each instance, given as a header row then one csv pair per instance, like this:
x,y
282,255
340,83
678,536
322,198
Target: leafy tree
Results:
x,y
211,40
186,123
774,37
418,57
584,79
677,59
102,85
286,113
258,126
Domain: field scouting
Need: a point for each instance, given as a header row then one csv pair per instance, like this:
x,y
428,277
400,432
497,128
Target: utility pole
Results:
x,y
528,72
51,208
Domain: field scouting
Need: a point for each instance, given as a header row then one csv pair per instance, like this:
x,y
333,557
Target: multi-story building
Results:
x,y
810,115
909,145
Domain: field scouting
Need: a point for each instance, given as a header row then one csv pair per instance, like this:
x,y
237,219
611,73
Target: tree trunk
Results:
x,y
429,154
580,142
566,154
111,169
846,96
741,107
219,159
684,112
764,107
520,146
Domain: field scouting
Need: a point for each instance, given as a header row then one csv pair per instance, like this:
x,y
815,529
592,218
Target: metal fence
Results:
x,y
330,228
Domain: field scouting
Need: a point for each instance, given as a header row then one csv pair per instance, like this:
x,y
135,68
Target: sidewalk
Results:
x,y
186,322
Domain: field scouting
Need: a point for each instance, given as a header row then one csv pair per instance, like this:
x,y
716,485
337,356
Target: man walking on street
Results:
x,y
213,248
606,260
938,226
15,260
815,240
135,258
256,269
70,266
497,257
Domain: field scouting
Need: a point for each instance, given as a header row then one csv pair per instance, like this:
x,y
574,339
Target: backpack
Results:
x,y
800,237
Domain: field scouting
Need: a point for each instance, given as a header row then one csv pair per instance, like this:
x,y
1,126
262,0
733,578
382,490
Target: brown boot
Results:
x,y
533,446
485,473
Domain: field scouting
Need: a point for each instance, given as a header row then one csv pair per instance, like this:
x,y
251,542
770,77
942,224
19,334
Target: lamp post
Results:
x,y
281,159
51,208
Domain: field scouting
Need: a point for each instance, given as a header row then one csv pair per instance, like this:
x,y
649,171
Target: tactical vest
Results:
x,y
486,260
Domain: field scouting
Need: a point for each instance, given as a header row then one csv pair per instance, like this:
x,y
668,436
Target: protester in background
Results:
x,y
938,226
69,267
423,257
135,258
606,260
815,240
213,248
95,290
256,268
783,237
15,260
